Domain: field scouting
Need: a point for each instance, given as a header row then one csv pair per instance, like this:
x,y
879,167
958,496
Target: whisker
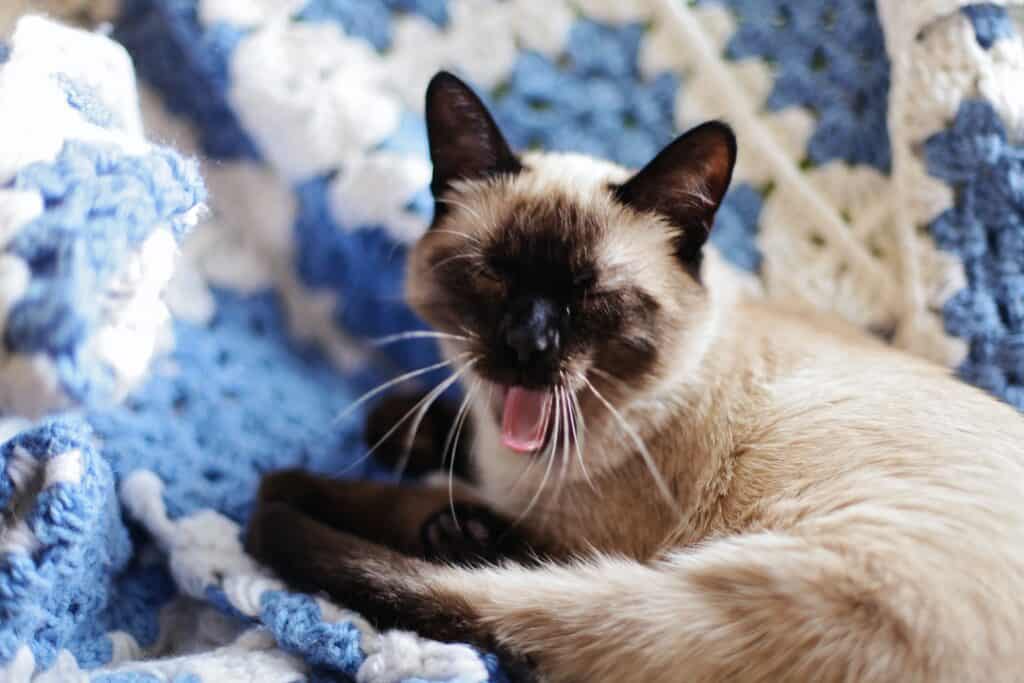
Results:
x,y
562,420
465,207
645,454
460,420
469,237
418,420
578,435
540,489
392,382
415,334
429,398
455,257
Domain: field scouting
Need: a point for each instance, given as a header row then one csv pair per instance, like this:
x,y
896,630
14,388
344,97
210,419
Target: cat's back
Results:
x,y
853,435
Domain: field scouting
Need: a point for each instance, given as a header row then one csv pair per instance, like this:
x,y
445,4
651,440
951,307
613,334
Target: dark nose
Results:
x,y
531,332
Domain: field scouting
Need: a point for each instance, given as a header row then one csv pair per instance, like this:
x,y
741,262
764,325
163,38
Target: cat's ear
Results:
x,y
465,142
685,183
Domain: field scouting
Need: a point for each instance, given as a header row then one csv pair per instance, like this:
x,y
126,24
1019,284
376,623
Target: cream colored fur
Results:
x,y
844,512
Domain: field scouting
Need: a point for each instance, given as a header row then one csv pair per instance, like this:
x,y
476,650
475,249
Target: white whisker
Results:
x,y
418,419
644,453
392,382
471,238
428,399
561,419
416,334
578,436
455,257
540,489
465,207
460,420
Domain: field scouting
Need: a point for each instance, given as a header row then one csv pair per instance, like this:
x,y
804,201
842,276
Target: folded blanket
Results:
x,y
879,178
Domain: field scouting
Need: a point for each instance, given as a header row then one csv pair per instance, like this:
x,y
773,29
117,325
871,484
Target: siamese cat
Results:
x,y
672,481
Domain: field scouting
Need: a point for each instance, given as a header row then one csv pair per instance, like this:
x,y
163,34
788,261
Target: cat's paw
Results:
x,y
473,535
285,486
267,528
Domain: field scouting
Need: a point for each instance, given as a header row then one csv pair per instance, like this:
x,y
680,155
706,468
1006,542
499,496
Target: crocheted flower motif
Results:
x,y
99,207
985,228
592,100
62,547
829,57
188,65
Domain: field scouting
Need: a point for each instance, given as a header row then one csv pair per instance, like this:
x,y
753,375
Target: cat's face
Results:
x,y
559,276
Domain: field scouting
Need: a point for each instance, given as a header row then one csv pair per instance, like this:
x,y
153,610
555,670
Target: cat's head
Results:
x,y
558,274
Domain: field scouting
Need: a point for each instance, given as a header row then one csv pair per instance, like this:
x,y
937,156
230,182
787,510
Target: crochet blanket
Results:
x,y
143,395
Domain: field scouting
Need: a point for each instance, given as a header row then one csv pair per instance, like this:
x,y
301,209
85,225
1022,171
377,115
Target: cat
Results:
x,y
736,490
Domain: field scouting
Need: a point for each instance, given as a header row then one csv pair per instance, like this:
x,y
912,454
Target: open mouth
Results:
x,y
526,417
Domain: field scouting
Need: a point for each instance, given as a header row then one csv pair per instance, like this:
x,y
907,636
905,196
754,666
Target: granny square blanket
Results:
x,y
205,207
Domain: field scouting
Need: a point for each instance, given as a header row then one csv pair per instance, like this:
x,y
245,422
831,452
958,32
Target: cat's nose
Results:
x,y
531,333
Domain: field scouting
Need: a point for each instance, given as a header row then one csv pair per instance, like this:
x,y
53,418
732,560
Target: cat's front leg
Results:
x,y
760,607
429,521
385,586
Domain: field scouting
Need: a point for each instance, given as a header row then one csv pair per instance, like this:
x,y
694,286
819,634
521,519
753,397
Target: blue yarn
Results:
x,y
188,65
100,205
829,57
50,598
5,51
991,23
985,228
365,266
593,100
216,597
410,137
735,231
130,677
371,19
297,625
435,10
86,100
209,431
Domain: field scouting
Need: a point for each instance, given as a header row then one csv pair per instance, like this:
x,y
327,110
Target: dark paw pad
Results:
x,y
474,535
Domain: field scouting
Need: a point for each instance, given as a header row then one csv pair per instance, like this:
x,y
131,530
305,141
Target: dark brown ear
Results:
x,y
685,183
465,142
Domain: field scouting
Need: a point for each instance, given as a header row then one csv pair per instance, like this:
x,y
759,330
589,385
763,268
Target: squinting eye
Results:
x,y
585,279
488,274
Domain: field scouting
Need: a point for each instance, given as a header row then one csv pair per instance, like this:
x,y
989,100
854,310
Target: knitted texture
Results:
x,y
879,178
90,217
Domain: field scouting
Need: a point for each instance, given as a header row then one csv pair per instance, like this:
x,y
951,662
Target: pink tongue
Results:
x,y
524,424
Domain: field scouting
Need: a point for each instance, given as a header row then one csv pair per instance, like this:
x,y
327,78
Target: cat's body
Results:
x,y
824,507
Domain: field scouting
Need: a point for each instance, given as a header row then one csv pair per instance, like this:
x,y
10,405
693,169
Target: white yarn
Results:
x,y
203,550
136,313
310,95
35,118
17,207
404,655
245,13
31,476
936,64
35,122
374,189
